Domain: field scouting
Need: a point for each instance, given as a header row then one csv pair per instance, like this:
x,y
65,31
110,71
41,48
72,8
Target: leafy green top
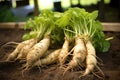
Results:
x,y
73,22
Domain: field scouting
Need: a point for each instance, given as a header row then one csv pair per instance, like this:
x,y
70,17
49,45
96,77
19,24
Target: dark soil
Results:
x,y
13,71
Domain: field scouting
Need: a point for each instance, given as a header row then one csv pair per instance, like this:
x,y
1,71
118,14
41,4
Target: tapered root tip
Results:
x,y
66,70
25,68
84,74
8,60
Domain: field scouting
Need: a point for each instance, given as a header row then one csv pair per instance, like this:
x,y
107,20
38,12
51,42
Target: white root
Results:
x,y
25,50
79,54
64,52
37,51
91,60
49,59
15,53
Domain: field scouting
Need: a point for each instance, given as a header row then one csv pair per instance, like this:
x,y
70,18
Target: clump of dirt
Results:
x,y
110,67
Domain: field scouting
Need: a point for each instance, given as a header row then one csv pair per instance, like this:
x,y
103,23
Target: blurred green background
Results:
x,y
22,10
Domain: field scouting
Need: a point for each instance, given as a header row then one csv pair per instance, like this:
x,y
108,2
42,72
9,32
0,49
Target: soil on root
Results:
x,y
110,67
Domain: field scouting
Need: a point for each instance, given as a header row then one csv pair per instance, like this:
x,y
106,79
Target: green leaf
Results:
x,y
33,34
93,15
26,36
106,46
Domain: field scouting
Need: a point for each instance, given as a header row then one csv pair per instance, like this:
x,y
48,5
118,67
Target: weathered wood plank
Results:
x,y
111,27
12,25
106,26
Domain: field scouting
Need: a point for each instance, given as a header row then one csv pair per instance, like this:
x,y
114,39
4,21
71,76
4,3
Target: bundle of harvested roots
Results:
x,y
79,32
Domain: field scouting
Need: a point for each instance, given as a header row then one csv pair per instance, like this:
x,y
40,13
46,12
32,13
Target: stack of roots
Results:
x,y
76,31
78,55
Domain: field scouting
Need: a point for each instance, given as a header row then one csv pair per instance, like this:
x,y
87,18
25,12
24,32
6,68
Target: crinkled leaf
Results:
x,y
26,36
93,15
106,46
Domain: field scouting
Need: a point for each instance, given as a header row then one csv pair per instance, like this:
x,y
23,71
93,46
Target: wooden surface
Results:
x,y
12,25
111,27
106,26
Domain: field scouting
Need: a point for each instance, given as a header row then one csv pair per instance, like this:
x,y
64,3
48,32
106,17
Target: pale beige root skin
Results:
x,y
79,54
47,53
91,60
64,52
50,59
25,49
15,53
37,51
